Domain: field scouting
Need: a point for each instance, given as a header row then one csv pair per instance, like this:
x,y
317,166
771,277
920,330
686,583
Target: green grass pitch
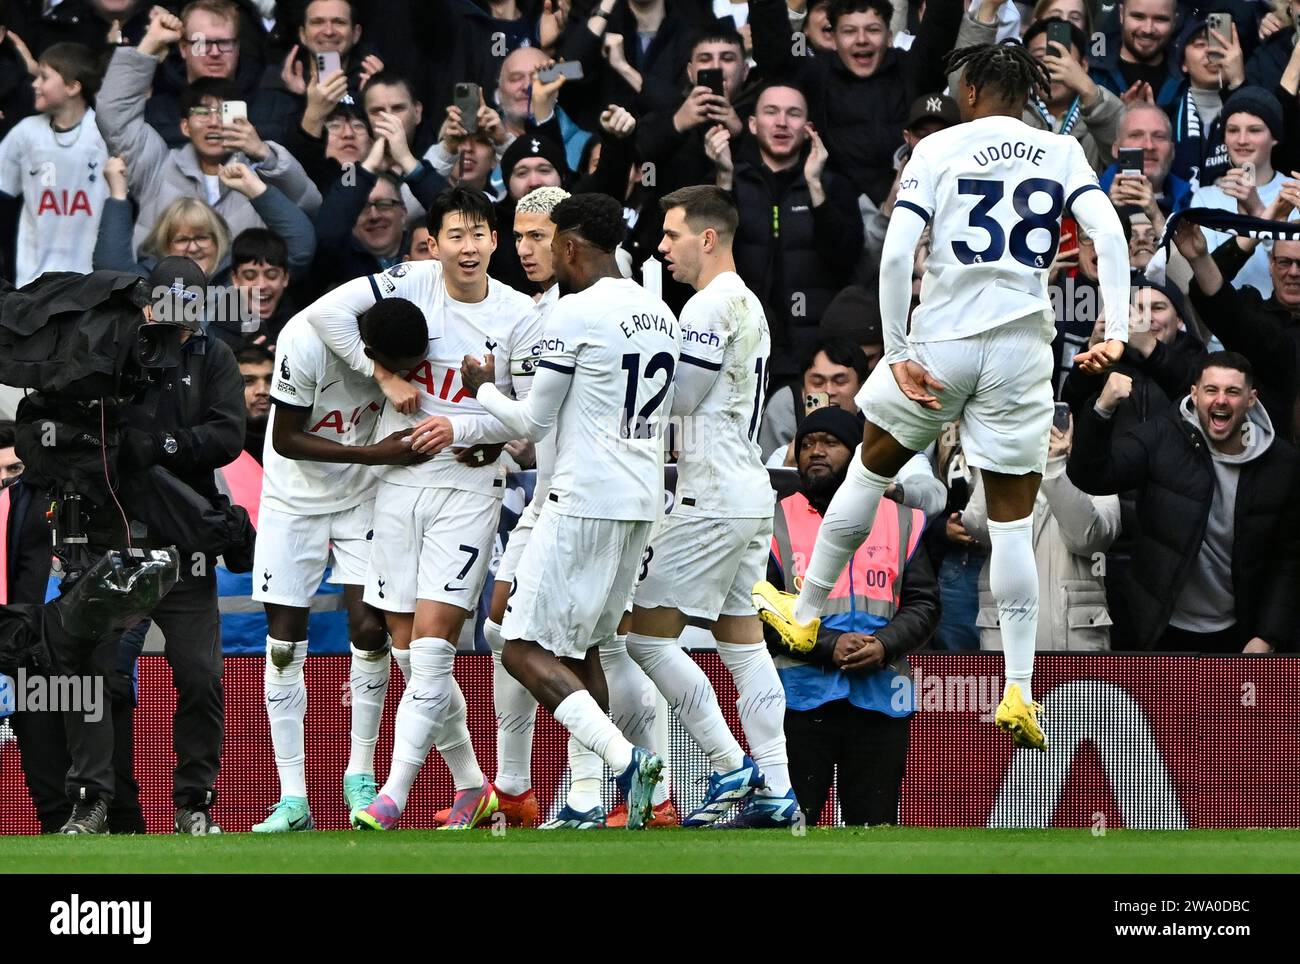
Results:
x,y
873,850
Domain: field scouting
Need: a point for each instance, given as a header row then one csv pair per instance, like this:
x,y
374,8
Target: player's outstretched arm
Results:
x,y
1096,215
291,439
334,316
533,417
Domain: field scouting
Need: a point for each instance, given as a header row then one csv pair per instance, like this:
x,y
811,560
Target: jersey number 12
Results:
x,y
637,424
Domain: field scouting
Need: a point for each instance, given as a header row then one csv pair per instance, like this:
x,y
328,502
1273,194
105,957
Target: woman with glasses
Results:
x,y
192,228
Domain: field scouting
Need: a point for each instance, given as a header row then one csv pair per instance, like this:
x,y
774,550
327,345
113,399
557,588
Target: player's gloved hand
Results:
x,y
431,436
917,384
480,454
137,449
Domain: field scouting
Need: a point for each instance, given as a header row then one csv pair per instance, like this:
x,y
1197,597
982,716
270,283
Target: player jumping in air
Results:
x,y
993,190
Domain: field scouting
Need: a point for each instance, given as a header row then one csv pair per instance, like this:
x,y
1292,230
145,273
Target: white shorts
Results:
x,y
292,551
430,544
572,585
509,563
705,567
997,384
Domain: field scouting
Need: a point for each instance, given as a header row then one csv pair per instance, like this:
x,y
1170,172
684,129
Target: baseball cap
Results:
x,y
933,107
178,292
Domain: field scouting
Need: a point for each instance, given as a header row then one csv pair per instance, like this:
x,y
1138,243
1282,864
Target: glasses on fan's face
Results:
x,y
206,113
1286,264
207,46
383,205
338,125
183,243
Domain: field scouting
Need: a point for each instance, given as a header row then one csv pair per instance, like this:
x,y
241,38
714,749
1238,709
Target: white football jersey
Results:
x,y
545,446
994,191
343,406
621,345
720,470
505,324
61,180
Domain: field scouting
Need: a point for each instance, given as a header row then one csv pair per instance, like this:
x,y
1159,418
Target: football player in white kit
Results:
x,y
979,350
714,546
435,522
516,708
604,375
318,497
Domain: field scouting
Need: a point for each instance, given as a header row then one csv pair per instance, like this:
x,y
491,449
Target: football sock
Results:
x,y
454,744
660,745
368,685
516,711
403,659
285,691
581,715
845,526
760,701
690,694
632,695
1013,580
425,703
588,773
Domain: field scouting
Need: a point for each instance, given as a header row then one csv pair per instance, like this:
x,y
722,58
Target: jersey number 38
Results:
x,y
990,194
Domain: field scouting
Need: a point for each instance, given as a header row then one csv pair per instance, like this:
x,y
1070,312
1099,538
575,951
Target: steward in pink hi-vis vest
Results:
x,y
865,600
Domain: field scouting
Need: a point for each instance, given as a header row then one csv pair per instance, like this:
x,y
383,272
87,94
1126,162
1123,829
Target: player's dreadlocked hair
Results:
x,y
1006,67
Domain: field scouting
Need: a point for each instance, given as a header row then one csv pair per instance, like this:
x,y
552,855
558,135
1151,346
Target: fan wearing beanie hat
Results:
x,y
1252,126
533,161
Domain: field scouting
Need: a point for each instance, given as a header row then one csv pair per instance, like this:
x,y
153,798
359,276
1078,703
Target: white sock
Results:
x,y
1013,580
403,660
581,715
845,526
661,744
760,701
516,711
588,772
454,744
426,702
690,694
368,685
285,692
632,694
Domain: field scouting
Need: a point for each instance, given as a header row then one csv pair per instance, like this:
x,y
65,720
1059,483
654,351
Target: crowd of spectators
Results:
x,y
288,147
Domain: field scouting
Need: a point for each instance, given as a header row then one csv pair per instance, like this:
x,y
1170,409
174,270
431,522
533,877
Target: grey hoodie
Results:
x,y
1206,604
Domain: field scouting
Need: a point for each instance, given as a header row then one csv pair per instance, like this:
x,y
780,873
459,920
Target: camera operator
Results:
x,y
186,418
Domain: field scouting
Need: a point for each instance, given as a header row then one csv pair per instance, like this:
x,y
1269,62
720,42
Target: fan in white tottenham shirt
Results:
x,y
435,522
993,190
60,177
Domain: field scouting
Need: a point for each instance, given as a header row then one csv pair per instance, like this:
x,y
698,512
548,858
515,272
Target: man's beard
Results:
x,y
821,488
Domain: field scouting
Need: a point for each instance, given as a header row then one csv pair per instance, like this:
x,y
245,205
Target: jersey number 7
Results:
x,y
990,193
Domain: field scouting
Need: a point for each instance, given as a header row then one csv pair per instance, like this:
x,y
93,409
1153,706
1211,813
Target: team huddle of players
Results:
x,y
439,365
393,396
